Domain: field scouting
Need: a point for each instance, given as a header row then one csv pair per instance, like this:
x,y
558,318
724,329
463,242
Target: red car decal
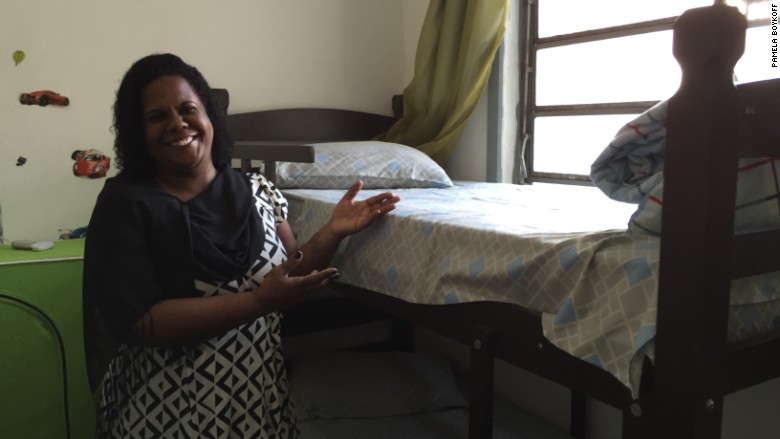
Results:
x,y
43,98
90,163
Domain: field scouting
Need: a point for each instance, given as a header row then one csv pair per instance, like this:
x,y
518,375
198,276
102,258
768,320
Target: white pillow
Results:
x,y
370,384
378,164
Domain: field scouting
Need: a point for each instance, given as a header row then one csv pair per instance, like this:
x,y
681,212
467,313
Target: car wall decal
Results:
x,y
90,163
44,98
18,57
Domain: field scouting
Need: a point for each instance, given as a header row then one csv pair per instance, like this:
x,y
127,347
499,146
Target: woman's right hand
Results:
x,y
280,291
174,322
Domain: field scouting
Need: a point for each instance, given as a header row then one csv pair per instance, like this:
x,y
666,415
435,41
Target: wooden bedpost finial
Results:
x,y
709,40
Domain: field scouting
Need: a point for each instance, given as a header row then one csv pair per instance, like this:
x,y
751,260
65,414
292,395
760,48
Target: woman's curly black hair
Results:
x,y
130,153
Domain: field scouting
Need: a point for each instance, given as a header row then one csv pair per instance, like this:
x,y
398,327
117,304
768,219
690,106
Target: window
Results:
x,y
587,68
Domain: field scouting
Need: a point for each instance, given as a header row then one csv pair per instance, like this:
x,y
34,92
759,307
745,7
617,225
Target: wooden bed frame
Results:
x,y
682,392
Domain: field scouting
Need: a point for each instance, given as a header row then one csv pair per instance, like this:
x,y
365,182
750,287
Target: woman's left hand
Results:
x,y
350,216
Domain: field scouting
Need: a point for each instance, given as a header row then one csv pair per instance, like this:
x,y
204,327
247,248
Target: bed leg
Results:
x,y
578,417
631,426
403,335
638,421
481,385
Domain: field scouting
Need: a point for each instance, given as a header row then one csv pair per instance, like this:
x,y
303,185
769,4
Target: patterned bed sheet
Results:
x,y
574,261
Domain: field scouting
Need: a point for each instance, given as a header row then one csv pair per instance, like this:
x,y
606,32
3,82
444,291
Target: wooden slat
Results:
x,y
755,253
752,145
752,362
291,151
271,152
760,128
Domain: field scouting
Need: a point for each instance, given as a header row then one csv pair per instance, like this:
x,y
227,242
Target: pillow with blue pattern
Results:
x,y
378,164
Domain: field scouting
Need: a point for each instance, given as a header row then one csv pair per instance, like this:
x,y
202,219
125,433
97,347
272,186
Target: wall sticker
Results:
x,y
18,57
43,98
90,163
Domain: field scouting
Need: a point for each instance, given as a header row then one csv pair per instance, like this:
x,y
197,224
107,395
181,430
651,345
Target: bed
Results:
x,y
661,332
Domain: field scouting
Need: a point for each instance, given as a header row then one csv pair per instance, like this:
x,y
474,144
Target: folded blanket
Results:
x,y
631,169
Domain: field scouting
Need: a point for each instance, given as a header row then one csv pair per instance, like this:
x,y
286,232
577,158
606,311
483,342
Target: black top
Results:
x,y
144,246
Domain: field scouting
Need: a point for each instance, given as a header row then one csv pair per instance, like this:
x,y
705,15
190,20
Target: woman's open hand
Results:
x,y
350,216
281,290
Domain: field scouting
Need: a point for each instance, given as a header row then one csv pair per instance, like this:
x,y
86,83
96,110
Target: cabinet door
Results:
x,y
32,373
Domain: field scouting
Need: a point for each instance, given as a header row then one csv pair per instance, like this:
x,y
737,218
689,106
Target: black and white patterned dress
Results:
x,y
230,386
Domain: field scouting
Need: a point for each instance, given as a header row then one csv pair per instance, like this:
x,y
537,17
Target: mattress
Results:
x,y
574,261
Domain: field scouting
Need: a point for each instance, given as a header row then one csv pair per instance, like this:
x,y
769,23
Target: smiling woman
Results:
x,y
178,136
137,111
186,270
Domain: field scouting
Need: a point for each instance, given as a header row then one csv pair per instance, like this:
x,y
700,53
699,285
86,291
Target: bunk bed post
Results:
x,y
697,229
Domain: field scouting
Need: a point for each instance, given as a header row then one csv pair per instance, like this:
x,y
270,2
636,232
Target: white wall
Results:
x,y
469,158
337,53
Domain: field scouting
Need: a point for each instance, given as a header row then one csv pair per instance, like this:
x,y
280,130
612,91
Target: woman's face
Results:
x,y
177,129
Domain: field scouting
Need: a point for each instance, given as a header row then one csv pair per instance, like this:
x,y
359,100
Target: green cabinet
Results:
x,y
43,379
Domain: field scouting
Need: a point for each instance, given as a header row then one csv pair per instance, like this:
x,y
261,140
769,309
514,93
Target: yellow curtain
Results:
x,y
455,52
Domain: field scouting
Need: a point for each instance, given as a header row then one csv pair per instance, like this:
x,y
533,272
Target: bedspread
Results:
x,y
594,283
630,169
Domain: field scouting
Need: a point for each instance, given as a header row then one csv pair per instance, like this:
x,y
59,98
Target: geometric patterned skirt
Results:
x,y
230,386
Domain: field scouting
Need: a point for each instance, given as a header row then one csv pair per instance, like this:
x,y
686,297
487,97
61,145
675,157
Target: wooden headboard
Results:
x,y
307,125
287,134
